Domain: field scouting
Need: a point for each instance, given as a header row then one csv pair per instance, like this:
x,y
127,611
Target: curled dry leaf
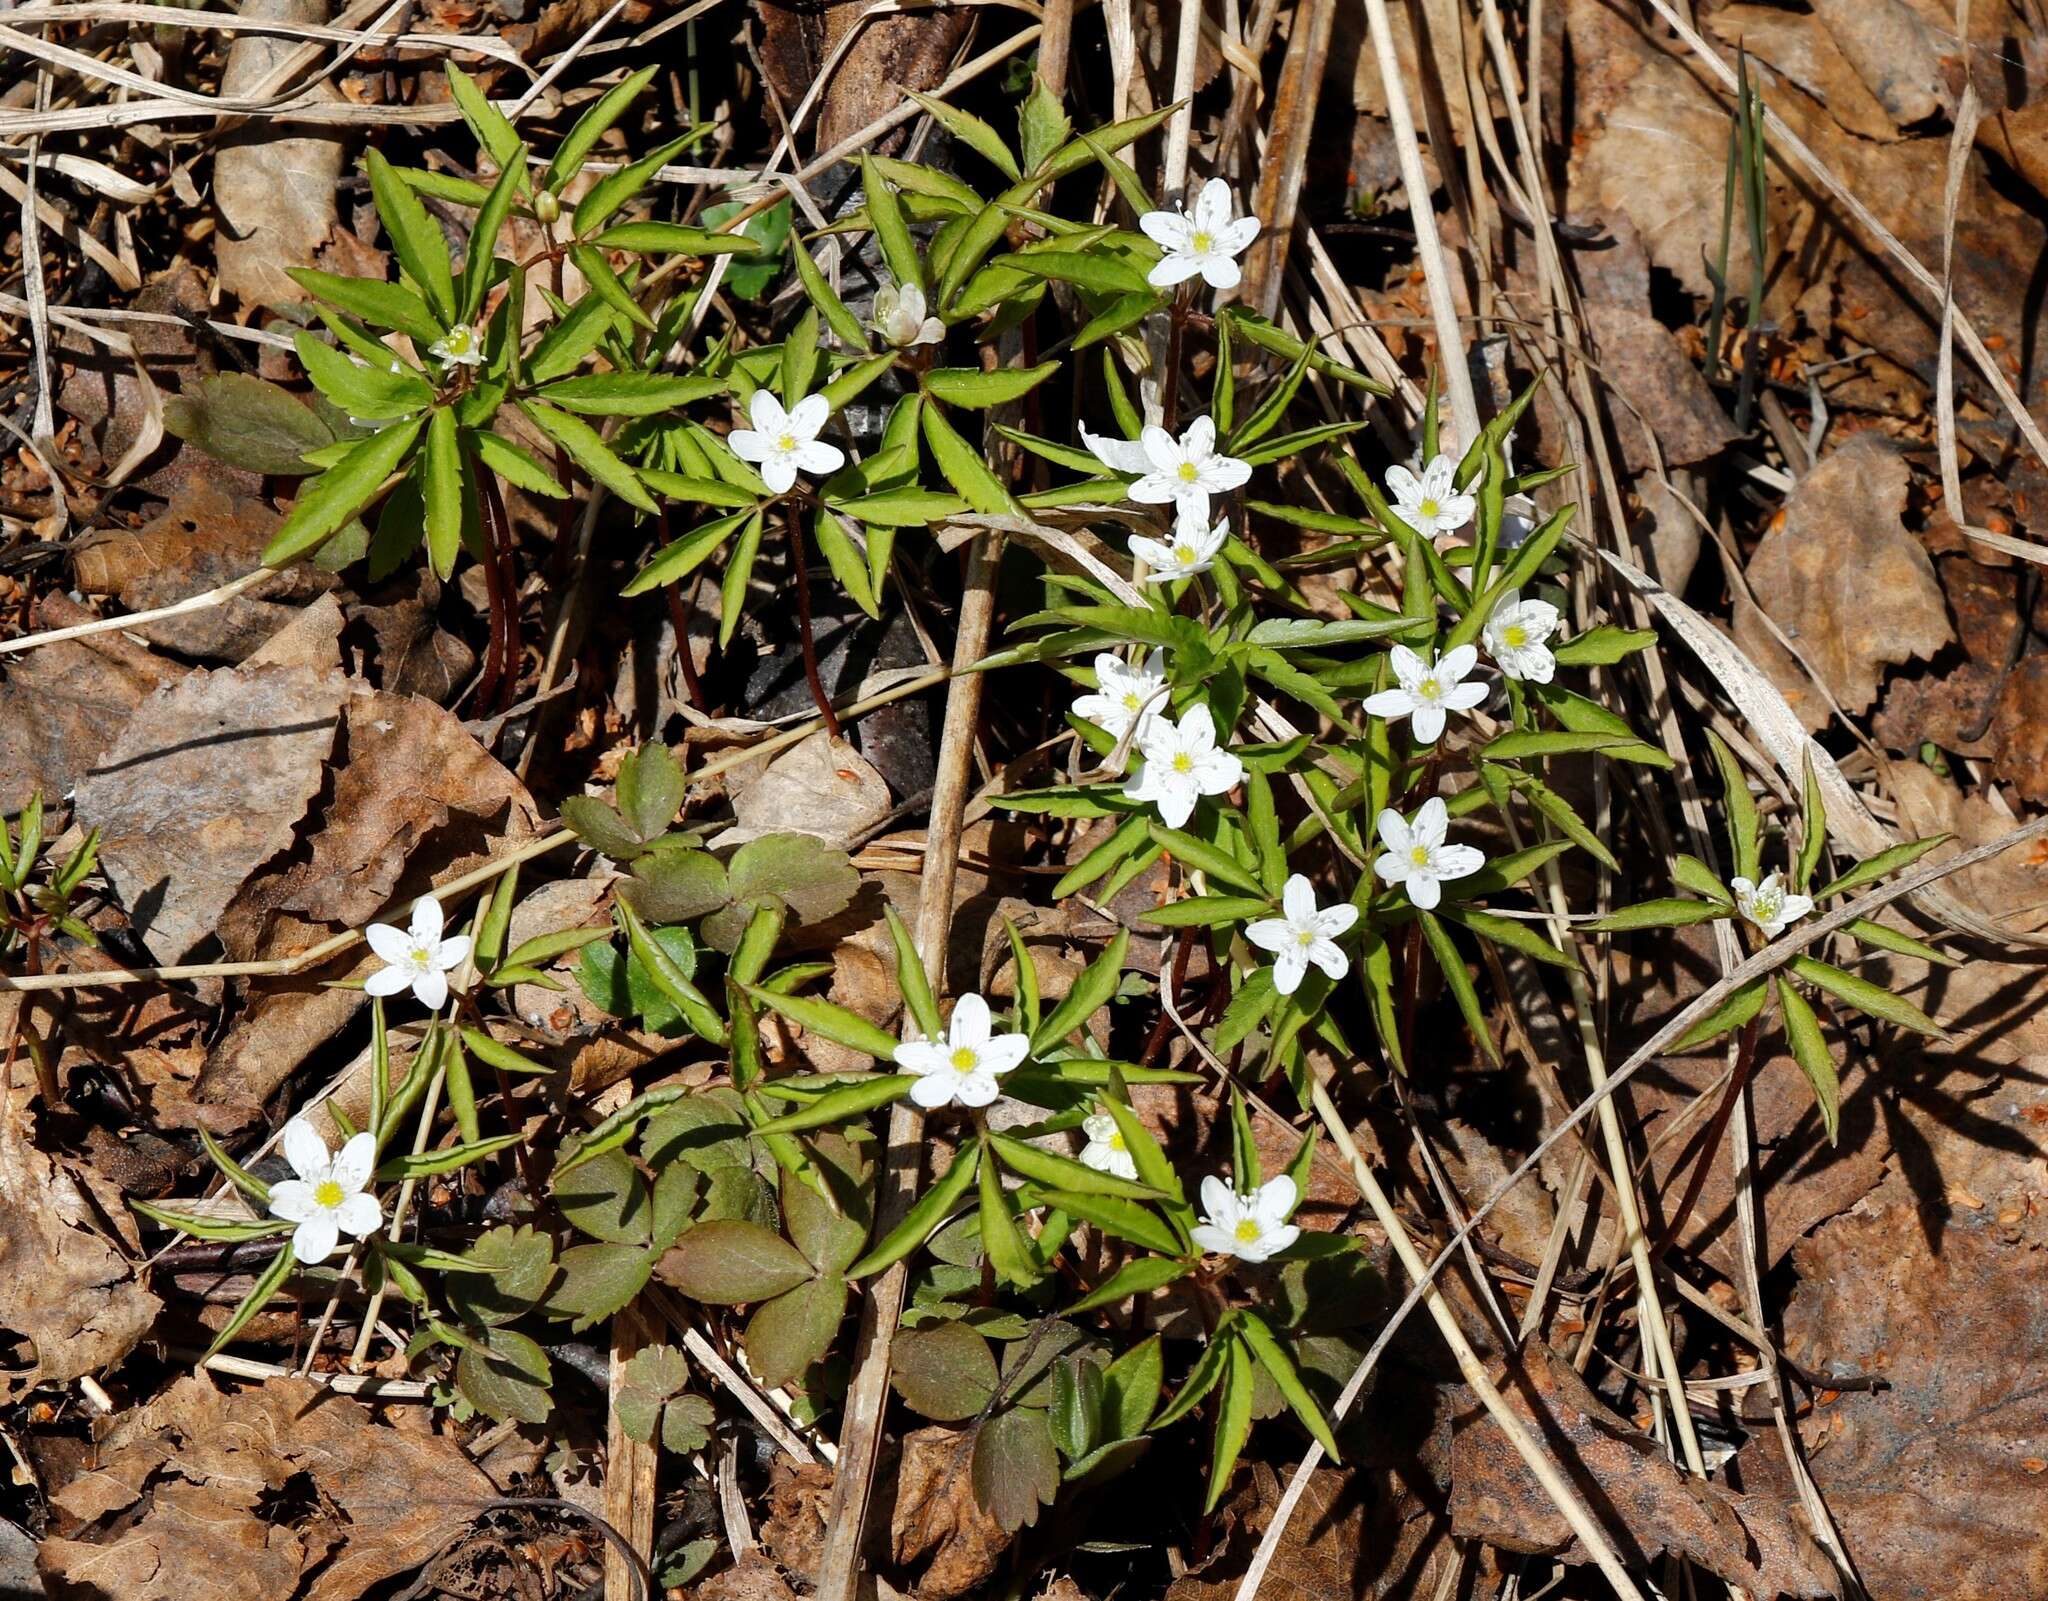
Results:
x,y
1752,1541
71,1299
211,1464
1934,1480
1845,580
937,1514
821,786
206,783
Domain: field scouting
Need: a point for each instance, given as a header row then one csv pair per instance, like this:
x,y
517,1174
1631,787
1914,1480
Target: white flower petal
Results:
x,y
430,989
1214,1240
292,1200
452,953
313,1241
765,412
1330,957
1427,724
1173,268
1005,1053
1219,1200
1270,933
1220,272
389,981
809,416
1290,967
390,944
359,1215
978,1088
1125,456
1298,899
969,1025
1274,1199
778,472
351,1169
923,1056
934,1090
1167,229
1424,892
305,1150
1455,664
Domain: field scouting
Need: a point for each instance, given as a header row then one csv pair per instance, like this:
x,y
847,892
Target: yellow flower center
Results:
x,y
1188,472
1202,243
1116,1141
1247,1230
329,1194
1306,937
1133,702
421,956
1419,855
458,340
786,442
1514,636
1429,508
1184,554
1183,762
962,1060
1429,689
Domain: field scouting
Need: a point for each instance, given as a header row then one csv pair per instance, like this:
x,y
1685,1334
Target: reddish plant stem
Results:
x,y
680,610
793,521
501,653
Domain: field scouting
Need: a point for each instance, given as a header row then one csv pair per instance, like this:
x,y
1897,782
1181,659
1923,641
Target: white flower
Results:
x,y
418,958
1417,857
1516,634
1194,549
964,1066
1105,1150
899,317
1769,905
1125,696
1207,240
459,347
1426,690
1302,936
1251,1227
1181,764
327,1196
785,443
1431,504
1182,473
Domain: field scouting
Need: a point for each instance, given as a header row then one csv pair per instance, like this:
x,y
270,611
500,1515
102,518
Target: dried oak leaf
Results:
x,y
69,1301
1934,1481
276,192
195,1540
1654,1506
2019,729
821,786
61,705
388,1497
206,783
212,532
938,1514
1800,46
1840,574
1952,701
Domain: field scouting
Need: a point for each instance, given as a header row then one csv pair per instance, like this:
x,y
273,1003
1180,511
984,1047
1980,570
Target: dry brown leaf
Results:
x,y
62,705
276,191
69,1295
2019,730
1800,46
1933,1481
388,1498
1845,580
1952,702
211,533
820,786
936,1513
206,783
1652,1505
1896,54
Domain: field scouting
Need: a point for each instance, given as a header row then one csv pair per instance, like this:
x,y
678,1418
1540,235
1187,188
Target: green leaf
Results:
x,y
1233,1419
589,451
961,465
1886,938
1127,1220
1452,966
1740,807
1882,865
1063,1172
1076,1412
1091,991
480,254
329,501
677,560
970,131
970,386
1009,1254
603,199
1603,647
673,239
513,463
1810,1051
1865,996
506,1375
246,422
630,394
267,1284
580,140
726,1261
1511,932
1015,1469
1218,864
945,1372
786,1335
1279,1365
669,978
834,1023
932,1209
1202,1377
1689,872
1740,1005
732,586
892,233
1140,1276
427,1164
838,1105
608,286
510,1271
491,129
562,348
1207,911
1667,912
380,304
210,1228
416,238
442,486
1813,829
368,392
598,1280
